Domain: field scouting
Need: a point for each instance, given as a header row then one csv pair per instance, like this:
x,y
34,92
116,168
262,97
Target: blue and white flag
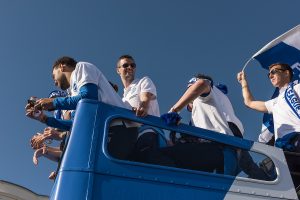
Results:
x,y
283,49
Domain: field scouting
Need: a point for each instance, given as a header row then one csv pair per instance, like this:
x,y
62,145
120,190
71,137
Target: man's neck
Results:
x,y
283,86
68,76
126,82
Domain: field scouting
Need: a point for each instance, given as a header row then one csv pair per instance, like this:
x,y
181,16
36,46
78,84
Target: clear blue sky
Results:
x,y
170,40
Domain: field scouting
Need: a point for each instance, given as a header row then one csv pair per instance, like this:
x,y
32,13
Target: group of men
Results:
x,y
210,109
84,80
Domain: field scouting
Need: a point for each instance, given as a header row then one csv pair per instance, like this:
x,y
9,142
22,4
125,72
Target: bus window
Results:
x,y
128,140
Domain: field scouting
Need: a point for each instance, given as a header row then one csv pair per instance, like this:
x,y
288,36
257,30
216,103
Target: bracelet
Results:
x,y
245,86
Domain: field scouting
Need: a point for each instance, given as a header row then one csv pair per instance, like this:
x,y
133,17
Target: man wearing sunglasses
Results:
x,y
141,94
285,108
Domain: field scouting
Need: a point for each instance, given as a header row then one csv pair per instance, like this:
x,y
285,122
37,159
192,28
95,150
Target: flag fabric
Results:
x,y
283,49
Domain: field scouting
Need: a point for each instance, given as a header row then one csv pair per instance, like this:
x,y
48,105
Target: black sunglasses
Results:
x,y
275,71
125,65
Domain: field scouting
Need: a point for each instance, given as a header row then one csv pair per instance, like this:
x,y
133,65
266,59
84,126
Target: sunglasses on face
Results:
x,y
275,71
125,65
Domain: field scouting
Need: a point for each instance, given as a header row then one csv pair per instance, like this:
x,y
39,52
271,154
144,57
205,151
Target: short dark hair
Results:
x,y
203,76
284,66
65,60
126,56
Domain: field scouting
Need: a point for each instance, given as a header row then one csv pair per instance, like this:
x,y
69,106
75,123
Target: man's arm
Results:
x,y
87,91
145,98
248,98
50,121
49,133
59,123
198,88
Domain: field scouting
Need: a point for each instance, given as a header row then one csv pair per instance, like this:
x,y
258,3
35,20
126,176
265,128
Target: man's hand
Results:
x,y
145,98
45,104
52,176
241,77
49,133
32,113
39,152
36,141
52,133
142,110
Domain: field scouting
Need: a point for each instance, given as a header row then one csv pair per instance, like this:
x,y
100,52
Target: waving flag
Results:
x,y
283,49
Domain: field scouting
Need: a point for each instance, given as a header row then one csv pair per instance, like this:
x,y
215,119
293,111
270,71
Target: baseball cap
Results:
x,y
192,81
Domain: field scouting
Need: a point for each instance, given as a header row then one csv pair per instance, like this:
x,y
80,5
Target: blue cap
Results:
x,y
192,81
57,93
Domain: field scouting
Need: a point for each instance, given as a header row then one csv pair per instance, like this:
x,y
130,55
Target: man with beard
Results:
x,y
85,81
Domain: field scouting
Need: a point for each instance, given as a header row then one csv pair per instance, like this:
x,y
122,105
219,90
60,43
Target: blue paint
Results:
x,y
88,172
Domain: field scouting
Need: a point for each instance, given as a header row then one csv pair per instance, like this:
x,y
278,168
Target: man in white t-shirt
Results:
x,y
285,109
208,113
141,94
220,91
245,161
85,81
207,109
285,112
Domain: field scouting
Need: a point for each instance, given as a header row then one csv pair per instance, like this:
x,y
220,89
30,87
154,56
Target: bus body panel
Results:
x,y
88,172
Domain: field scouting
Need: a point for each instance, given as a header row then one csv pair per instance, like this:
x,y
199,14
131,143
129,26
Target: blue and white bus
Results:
x,y
88,171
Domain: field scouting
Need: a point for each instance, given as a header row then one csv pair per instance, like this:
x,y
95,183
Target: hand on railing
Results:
x,y
171,118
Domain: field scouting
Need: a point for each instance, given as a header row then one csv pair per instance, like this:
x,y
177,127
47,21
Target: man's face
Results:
x,y
126,69
60,79
278,76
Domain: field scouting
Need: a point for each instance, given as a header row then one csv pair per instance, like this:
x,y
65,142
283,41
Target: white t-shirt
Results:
x,y
88,73
228,109
285,120
132,94
207,113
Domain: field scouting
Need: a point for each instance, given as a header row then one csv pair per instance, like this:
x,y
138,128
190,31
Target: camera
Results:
x,y
31,102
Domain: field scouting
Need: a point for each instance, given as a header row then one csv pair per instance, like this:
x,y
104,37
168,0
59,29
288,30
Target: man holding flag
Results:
x,y
281,120
285,107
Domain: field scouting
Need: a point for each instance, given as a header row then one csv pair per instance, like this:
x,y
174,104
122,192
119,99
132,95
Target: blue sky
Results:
x,y
170,40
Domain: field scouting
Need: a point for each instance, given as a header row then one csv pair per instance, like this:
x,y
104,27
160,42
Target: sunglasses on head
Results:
x,y
125,65
275,71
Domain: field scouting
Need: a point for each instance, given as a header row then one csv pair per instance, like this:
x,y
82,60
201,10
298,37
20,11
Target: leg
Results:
x,y
202,157
121,141
230,161
146,144
248,166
